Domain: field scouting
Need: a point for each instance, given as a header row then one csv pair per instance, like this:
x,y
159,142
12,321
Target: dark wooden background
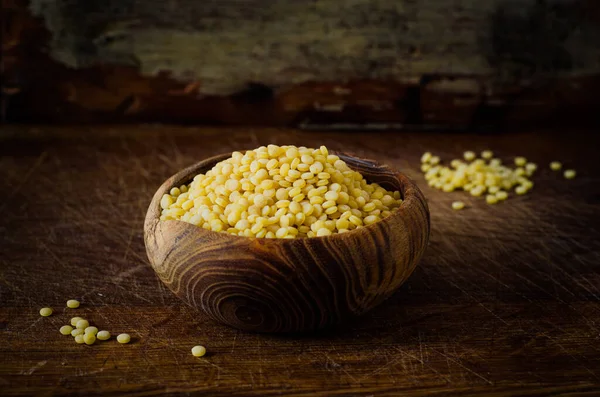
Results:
x,y
506,301
338,64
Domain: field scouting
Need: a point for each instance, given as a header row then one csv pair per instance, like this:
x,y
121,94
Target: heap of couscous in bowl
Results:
x,y
280,192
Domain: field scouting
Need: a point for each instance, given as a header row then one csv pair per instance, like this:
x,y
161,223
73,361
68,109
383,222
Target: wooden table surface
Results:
x,y
505,301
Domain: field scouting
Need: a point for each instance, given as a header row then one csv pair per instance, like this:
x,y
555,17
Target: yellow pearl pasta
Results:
x,y
103,335
530,168
123,338
281,192
487,154
520,161
469,156
555,166
46,311
74,321
77,331
91,330
570,174
89,339
502,195
486,176
491,199
458,205
79,339
66,330
198,351
72,304
520,190
82,324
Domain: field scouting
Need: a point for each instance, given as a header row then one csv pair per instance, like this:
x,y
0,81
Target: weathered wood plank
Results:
x,y
298,63
504,303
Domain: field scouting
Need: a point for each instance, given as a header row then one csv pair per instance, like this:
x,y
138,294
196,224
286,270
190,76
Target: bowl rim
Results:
x,y
414,198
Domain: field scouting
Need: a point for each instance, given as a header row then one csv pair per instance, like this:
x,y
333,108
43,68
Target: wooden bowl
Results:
x,y
289,285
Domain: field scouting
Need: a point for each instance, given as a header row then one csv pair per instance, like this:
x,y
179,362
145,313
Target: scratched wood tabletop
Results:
x,y
505,301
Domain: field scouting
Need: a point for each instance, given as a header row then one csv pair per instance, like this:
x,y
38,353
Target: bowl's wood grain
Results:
x,y
286,285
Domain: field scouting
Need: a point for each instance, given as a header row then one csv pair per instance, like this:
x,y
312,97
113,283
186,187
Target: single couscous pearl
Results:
x,y
79,339
570,174
77,331
477,191
66,330
520,161
491,199
520,190
103,335
82,324
91,330
555,166
89,339
458,205
72,304
74,321
487,154
198,351
502,195
123,338
448,187
46,311
530,168
469,155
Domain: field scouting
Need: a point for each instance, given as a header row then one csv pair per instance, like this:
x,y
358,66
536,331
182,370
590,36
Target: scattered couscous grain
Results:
x,y
469,156
103,335
555,166
485,176
501,195
520,190
123,338
282,192
520,161
79,339
530,168
72,304
66,330
89,339
487,154
198,351
82,324
458,205
570,174
46,311
91,330
491,199
74,321
77,331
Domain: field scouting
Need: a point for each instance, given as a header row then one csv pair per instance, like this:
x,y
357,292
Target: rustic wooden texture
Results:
x,y
280,285
505,301
327,64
